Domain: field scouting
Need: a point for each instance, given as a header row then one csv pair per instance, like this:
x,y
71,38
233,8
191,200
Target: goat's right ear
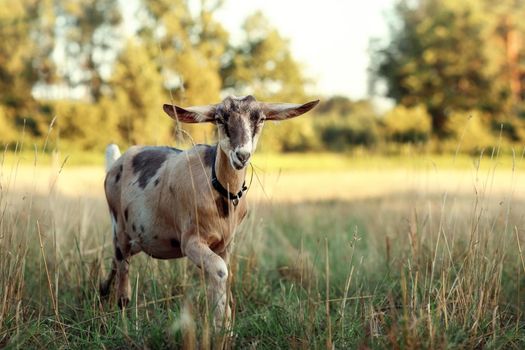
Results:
x,y
196,114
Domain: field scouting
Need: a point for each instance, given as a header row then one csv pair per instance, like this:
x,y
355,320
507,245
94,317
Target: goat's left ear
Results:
x,y
196,114
281,111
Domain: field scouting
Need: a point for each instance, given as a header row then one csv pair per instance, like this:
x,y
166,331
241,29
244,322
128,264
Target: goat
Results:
x,y
171,203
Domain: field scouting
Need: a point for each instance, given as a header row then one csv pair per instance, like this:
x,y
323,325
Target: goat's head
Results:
x,y
239,121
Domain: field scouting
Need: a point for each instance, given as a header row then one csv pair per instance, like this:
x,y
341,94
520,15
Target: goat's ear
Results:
x,y
281,111
196,114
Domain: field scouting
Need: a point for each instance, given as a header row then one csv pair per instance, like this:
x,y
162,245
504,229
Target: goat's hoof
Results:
x,y
123,302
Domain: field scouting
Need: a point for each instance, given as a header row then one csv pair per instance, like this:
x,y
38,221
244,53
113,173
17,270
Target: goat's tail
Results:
x,y
112,154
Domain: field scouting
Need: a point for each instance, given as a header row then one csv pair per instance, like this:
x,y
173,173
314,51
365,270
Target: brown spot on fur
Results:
x,y
117,177
223,208
209,156
118,254
147,162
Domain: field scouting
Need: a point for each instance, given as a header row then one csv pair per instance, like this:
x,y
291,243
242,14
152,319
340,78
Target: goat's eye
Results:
x,y
257,118
219,121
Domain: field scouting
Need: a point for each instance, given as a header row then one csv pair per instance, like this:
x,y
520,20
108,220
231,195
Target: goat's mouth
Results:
x,y
236,163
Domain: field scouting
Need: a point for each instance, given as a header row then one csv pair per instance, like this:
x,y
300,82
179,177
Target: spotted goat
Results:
x,y
171,203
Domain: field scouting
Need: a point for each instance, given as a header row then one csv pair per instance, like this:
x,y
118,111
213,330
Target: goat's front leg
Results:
x,y
217,277
225,255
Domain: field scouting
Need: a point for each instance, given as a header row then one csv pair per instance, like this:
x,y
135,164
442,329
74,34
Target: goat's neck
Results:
x,y
230,178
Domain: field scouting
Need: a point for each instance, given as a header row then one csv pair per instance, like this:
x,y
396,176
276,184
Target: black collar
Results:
x,y
234,198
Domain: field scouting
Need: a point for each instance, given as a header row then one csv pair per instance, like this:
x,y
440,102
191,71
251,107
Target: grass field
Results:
x,y
422,252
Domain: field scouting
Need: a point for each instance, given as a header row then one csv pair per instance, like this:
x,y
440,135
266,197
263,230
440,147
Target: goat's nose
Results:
x,y
243,156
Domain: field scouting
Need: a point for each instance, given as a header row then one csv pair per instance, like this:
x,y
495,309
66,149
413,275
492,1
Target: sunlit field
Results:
x,y
423,252
390,214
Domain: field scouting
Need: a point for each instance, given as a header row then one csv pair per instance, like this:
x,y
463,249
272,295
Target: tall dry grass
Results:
x,y
422,267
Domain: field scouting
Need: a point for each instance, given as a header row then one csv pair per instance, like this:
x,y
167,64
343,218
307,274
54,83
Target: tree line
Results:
x,y
456,71
70,63
462,63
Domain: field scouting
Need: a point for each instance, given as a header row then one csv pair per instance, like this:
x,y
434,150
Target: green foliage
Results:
x,y
404,124
443,55
469,132
338,134
191,47
7,130
80,124
511,127
18,25
296,135
344,123
91,33
263,64
138,95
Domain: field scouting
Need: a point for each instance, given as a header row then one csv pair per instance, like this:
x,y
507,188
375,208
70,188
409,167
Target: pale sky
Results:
x,y
330,37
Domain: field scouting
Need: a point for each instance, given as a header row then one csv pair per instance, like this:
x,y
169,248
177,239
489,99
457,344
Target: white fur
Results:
x,y
112,154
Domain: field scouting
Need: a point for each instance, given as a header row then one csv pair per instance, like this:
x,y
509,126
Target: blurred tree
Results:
x,y
89,34
505,49
7,131
505,44
343,107
187,44
263,64
138,95
436,58
339,105
24,52
408,125
344,123
43,32
469,132
188,47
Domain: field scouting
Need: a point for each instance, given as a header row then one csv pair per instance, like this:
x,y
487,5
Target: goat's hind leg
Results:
x,y
120,269
105,285
122,256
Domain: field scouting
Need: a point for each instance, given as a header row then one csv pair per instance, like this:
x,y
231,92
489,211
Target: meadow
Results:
x,y
338,251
